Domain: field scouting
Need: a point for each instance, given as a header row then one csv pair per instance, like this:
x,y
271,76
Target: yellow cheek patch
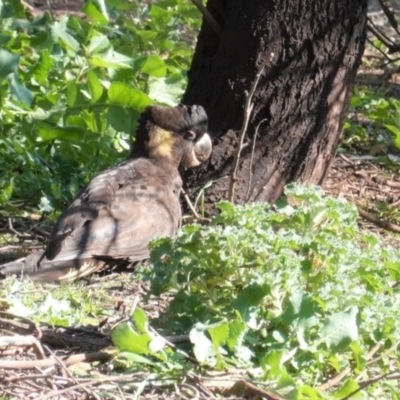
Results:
x,y
162,142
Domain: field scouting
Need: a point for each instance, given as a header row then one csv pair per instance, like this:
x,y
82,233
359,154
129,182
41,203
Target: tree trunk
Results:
x,y
311,49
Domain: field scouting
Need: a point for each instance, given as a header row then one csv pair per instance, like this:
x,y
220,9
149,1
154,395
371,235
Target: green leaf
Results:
x,y
340,329
155,66
93,119
137,358
122,94
111,59
125,338
141,320
248,301
95,88
271,363
160,16
6,10
98,43
396,131
122,5
6,190
76,120
8,63
348,387
72,92
59,30
219,334
50,132
122,119
202,346
97,17
301,311
41,71
237,330
19,10
167,91
19,92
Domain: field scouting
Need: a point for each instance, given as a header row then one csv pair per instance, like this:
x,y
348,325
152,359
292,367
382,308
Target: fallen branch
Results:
x,y
101,356
378,222
15,324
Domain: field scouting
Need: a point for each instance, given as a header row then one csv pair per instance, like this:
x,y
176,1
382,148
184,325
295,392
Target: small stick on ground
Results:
x,y
248,108
25,341
190,205
67,371
378,222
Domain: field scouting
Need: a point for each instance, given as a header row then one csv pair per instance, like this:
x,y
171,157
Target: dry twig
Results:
x,y
339,377
248,108
378,222
367,383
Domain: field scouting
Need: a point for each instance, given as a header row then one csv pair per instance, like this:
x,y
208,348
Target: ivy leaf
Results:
x,y
340,329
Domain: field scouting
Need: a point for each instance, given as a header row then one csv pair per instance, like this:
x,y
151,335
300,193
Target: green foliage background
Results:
x,y
71,90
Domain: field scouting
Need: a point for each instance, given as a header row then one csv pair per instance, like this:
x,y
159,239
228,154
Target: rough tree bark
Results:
x,y
312,49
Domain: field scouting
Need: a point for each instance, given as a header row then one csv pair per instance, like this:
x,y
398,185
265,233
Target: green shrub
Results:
x,y
296,293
